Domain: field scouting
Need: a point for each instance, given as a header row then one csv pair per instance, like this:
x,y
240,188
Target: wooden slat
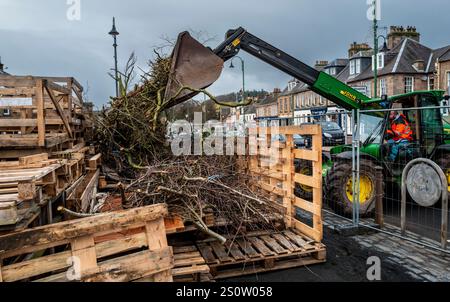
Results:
x,y
189,261
271,189
40,112
298,240
196,269
307,206
35,267
76,228
111,247
133,266
235,252
220,252
89,191
309,181
184,249
207,253
25,160
311,155
286,243
307,230
269,173
260,246
272,243
95,161
246,246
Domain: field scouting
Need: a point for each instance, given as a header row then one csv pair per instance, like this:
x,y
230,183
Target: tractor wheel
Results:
x,y
339,188
444,163
303,191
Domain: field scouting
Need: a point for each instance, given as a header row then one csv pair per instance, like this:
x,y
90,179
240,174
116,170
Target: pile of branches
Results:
x,y
132,130
195,186
132,137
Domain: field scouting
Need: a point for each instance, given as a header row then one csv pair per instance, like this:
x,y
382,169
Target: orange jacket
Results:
x,y
400,129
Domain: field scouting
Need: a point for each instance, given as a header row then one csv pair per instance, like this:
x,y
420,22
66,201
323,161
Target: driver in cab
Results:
x,y
399,133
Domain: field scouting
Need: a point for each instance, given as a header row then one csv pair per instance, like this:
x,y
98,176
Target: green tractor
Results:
x,y
196,67
431,141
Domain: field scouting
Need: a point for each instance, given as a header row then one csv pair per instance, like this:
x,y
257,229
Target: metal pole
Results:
x,y
243,79
115,66
375,49
379,213
354,164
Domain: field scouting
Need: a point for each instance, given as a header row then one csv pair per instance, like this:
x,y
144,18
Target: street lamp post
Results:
x,y
115,33
243,78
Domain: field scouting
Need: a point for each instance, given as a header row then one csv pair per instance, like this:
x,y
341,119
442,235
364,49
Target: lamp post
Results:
x,y
243,78
243,74
115,33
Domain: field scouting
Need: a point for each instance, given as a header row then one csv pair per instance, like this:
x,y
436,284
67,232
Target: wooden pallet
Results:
x,y
84,250
261,252
189,265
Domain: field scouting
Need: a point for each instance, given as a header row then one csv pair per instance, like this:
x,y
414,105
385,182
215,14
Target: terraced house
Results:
x,y
403,64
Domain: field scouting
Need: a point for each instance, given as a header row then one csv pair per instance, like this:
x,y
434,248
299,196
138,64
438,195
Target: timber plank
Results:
x,y
260,246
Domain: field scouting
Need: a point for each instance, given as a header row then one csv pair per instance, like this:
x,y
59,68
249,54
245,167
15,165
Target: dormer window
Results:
x,y
380,61
355,66
331,71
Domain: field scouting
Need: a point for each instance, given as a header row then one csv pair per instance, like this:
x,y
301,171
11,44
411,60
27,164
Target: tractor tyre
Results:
x,y
338,188
303,191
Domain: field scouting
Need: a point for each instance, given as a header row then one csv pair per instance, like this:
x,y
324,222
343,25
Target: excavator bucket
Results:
x,y
194,66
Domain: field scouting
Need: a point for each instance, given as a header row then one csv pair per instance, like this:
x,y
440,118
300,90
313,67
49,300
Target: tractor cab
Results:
x,y
426,126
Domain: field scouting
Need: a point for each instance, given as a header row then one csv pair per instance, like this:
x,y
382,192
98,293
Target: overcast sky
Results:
x,y
36,37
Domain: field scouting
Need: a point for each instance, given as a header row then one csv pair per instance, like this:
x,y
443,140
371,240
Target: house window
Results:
x,y
6,112
358,66
352,67
448,82
430,83
380,61
369,89
383,87
409,84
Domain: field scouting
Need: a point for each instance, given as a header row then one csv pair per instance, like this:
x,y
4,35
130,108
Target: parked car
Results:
x,y
332,134
299,141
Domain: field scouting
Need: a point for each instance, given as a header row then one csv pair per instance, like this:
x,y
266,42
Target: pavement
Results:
x,y
400,260
419,261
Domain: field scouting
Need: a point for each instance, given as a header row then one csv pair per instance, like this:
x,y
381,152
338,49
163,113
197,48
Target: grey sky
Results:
x,y
36,38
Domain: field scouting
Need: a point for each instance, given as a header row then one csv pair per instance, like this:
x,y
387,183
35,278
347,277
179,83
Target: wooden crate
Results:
x,y
97,248
44,112
261,252
272,166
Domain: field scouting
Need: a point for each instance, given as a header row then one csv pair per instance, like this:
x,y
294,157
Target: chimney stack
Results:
x,y
398,33
357,47
1,65
320,64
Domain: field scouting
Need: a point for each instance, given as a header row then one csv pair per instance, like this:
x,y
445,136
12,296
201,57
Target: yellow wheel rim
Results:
x,y
447,173
366,189
305,188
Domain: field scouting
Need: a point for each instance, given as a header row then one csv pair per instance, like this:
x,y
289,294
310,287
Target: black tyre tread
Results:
x,y
335,181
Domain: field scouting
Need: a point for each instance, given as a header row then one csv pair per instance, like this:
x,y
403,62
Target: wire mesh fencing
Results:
x,y
404,147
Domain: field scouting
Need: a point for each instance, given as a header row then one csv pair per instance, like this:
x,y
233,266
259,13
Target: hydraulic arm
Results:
x,y
197,67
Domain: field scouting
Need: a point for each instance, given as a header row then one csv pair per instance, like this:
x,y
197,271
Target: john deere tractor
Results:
x,y
197,67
